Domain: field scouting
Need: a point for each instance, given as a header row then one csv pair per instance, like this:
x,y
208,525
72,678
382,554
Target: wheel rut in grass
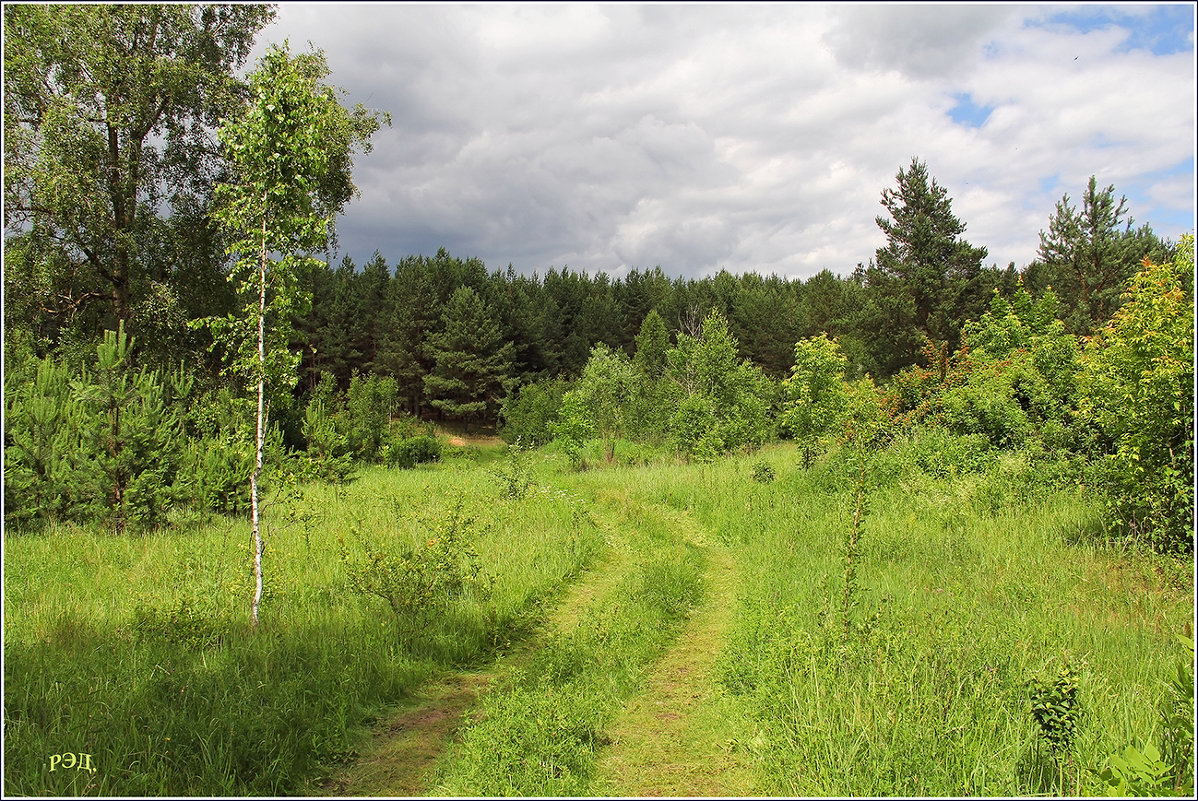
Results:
x,y
407,744
399,759
674,738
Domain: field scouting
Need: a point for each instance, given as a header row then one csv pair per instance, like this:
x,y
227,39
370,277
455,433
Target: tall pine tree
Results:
x,y
927,280
1089,254
472,362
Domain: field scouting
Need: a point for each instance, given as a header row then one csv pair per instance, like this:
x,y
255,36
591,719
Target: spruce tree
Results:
x,y
472,361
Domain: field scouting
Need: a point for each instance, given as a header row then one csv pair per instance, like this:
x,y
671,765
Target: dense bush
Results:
x,y
814,397
725,402
47,471
370,404
1137,390
411,451
101,443
529,412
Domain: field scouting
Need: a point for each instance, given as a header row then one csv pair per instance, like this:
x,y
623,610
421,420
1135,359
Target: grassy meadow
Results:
x,y
888,658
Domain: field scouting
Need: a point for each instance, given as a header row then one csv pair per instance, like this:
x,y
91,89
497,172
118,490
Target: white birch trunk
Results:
x,y
261,436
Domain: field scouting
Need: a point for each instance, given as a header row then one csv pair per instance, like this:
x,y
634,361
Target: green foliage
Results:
x,y
926,281
472,362
218,453
724,401
1055,709
1169,771
574,425
329,456
1177,719
1136,773
135,433
420,583
652,343
852,546
605,389
291,157
108,116
529,413
1014,379
515,477
180,623
1137,392
48,471
106,441
370,405
291,154
763,472
1089,255
814,397
409,451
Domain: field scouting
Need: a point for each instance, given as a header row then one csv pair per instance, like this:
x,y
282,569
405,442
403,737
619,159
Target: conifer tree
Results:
x,y
926,282
1089,254
472,362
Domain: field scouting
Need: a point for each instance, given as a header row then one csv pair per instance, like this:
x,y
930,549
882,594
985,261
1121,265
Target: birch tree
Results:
x,y
291,157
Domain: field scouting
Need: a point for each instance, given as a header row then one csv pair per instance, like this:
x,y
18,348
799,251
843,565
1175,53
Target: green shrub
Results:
x,y
515,477
528,414
814,397
47,474
763,472
1055,709
1169,771
370,402
410,451
420,583
1137,391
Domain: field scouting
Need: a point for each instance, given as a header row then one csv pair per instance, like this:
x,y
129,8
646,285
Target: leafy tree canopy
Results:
x,y
109,152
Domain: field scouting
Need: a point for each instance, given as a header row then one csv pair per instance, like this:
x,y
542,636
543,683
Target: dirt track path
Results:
x,y
399,759
675,738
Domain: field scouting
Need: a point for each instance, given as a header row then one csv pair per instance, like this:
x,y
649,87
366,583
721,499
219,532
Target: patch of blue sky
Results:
x,y
1183,167
1166,220
1050,183
968,113
1162,29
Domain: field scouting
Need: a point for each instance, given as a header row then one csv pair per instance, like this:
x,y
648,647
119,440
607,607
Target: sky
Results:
x,y
748,137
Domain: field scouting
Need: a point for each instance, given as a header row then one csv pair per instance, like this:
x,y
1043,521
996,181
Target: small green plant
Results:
x,y
852,543
421,583
1135,773
763,473
1177,713
515,477
1055,709
1169,771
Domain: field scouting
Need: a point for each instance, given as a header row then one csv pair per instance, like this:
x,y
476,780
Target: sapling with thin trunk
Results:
x,y
290,159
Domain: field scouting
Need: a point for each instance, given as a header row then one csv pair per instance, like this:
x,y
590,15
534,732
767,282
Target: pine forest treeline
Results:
x,y
123,399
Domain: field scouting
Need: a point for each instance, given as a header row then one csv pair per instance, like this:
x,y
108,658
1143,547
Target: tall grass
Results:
x,y
970,585
137,651
974,574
